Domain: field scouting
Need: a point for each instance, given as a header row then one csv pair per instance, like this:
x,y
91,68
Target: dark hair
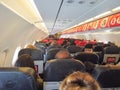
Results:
x,y
25,60
89,45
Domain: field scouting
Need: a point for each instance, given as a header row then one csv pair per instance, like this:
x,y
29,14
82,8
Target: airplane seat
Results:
x,y
111,50
41,47
53,47
37,55
101,55
98,49
108,77
50,54
40,44
111,55
83,56
17,79
56,70
73,49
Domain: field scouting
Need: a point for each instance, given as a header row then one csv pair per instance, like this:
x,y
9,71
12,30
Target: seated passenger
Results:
x,y
63,54
26,60
88,48
79,81
53,44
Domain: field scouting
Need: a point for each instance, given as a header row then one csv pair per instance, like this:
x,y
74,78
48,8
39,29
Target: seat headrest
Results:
x,y
57,69
111,50
83,56
51,53
108,76
74,49
35,53
17,79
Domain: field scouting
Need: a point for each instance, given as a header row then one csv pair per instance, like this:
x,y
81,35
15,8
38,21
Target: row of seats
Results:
x,y
109,54
24,78
17,79
56,70
38,56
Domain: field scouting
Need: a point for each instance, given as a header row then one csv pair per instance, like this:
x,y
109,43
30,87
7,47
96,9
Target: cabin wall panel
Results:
x,y
14,32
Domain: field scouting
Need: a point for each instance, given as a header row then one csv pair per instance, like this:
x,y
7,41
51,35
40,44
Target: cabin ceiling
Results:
x,y
59,15
53,16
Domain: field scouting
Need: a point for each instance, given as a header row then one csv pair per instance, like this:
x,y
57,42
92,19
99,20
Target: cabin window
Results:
x,y
15,55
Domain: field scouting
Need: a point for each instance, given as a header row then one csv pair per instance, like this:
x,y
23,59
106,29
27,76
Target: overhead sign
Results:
x,y
106,22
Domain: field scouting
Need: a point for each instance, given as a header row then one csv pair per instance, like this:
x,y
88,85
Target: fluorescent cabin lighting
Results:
x,y
107,31
91,19
102,15
116,9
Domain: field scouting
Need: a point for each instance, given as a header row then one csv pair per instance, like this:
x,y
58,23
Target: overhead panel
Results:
x,y
72,12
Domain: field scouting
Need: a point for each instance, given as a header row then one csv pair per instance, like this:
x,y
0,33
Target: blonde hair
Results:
x,y
31,46
79,81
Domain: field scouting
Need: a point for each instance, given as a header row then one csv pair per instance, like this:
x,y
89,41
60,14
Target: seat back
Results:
x,y
41,46
91,57
73,49
111,58
111,50
107,76
98,49
17,79
50,54
56,70
111,55
51,85
37,55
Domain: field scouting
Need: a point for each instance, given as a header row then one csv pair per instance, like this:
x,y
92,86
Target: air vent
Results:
x,y
92,2
70,1
81,2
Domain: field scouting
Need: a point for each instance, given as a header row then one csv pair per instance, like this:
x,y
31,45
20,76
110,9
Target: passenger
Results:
x,y
63,54
79,81
88,48
54,44
26,60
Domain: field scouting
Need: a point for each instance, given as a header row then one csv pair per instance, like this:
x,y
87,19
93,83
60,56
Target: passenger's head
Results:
x,y
54,42
79,81
63,54
25,60
88,48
